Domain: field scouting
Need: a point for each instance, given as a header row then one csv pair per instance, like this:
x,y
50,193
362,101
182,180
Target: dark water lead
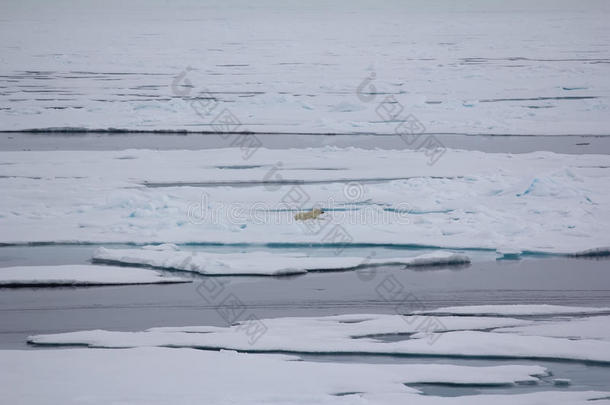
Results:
x,y
575,144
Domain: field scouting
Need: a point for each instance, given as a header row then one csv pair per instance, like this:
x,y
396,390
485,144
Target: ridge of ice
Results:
x,y
599,251
515,310
261,262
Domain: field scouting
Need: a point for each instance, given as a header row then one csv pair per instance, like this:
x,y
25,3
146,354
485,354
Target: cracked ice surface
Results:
x,y
495,68
262,263
467,199
463,336
164,376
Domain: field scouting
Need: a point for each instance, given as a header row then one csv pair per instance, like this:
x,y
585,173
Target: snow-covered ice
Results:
x,y
305,67
535,202
469,67
186,376
260,262
423,335
80,275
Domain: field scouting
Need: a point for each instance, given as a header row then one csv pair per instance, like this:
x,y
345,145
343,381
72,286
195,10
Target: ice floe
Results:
x,y
261,262
370,198
169,376
484,73
425,335
80,275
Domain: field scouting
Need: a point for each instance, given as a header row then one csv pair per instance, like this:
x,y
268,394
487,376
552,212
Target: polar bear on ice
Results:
x,y
313,214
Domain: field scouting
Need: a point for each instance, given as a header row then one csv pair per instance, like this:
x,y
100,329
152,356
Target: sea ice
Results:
x,y
260,262
80,275
187,376
370,197
464,336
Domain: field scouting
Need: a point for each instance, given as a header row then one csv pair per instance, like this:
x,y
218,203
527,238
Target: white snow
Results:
x,y
314,333
516,67
508,253
466,200
470,67
260,262
424,335
186,376
80,274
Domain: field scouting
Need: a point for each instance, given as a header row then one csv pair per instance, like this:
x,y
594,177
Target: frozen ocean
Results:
x,y
305,202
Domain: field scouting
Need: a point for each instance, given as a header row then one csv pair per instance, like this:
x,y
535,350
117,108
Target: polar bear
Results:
x,y
313,214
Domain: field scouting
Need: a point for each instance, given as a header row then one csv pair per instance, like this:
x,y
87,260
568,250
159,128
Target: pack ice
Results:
x,y
260,262
187,376
428,335
468,199
497,68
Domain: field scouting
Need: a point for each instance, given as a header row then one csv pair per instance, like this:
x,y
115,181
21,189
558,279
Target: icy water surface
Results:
x,y
478,75
23,312
532,280
119,141
560,281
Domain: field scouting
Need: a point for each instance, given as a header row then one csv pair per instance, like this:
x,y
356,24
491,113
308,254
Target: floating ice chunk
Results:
x,y
562,382
170,376
261,262
349,328
437,258
424,335
80,275
508,254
